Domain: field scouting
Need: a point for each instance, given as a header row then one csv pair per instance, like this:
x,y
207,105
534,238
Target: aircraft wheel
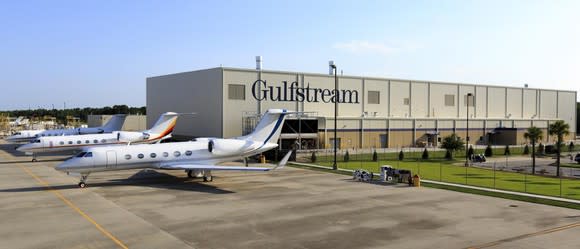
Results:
x,y
190,174
82,185
34,160
205,178
210,178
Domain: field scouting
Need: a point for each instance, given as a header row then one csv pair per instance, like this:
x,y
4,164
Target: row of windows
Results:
x,y
164,154
374,98
96,141
49,135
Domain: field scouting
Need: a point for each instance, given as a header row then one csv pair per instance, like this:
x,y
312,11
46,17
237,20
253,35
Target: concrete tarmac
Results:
x,y
288,208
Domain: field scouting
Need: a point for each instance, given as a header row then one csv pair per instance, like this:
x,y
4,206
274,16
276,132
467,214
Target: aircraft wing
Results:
x,y
193,166
211,167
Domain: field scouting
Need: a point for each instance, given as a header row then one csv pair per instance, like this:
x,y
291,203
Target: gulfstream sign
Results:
x,y
291,92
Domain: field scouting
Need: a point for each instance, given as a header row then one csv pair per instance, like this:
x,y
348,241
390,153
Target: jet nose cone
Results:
x,y
62,166
22,148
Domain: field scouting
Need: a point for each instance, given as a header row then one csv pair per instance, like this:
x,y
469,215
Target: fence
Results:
x,y
508,172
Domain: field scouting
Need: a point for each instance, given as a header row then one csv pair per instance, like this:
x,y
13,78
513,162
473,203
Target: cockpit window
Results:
x,y
36,141
89,154
18,133
81,154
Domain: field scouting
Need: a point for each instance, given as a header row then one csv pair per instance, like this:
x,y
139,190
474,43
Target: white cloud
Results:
x,y
365,47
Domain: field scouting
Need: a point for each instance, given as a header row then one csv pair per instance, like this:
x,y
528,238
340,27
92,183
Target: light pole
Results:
x,y
333,66
467,131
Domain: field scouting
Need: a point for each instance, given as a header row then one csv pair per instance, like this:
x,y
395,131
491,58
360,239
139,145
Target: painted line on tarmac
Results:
x,y
524,236
74,207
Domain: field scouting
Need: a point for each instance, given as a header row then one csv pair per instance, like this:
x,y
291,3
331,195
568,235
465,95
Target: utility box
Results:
x,y
387,173
392,175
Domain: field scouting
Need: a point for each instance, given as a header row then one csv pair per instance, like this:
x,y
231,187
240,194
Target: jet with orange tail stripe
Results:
x,y
162,129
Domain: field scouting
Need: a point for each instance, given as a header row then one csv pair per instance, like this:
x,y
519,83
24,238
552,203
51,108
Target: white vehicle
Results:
x,y
198,158
161,130
114,124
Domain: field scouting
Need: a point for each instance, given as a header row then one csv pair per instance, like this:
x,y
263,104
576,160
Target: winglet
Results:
x,y
284,160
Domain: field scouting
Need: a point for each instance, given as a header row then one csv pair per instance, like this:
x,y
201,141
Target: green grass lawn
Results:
x,y
446,171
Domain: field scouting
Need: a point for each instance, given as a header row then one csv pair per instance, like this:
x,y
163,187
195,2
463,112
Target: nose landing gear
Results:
x,y
82,183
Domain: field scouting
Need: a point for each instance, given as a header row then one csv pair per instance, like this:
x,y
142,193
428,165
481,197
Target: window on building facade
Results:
x,y
374,97
449,100
406,101
236,91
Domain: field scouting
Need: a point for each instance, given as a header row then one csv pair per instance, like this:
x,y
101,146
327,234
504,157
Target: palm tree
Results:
x,y
559,129
534,134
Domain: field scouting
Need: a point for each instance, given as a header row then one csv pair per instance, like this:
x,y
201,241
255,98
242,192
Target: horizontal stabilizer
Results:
x,y
283,162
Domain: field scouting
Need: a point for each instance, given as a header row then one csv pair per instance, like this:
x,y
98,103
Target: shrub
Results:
x,y
526,150
375,156
540,149
425,155
313,157
401,155
506,151
346,156
448,155
488,151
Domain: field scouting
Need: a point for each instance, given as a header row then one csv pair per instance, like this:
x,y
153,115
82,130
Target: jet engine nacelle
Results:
x,y
127,136
224,147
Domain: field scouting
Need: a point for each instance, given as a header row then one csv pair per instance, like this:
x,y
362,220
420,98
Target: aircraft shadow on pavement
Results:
x,y
40,161
146,178
10,149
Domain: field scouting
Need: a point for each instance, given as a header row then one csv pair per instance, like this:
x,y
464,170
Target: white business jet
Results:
x,y
114,124
17,122
161,130
198,158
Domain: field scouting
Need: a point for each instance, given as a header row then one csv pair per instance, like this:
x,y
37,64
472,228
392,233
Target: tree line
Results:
x,y
82,113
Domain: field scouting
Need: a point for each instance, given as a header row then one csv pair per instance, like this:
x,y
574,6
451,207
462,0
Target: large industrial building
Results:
x,y
372,112
132,122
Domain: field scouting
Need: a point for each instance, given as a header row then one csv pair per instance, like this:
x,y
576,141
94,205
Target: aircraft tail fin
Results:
x,y
165,124
269,127
115,123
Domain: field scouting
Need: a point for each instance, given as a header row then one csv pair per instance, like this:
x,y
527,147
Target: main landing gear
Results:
x,y
207,177
34,157
82,183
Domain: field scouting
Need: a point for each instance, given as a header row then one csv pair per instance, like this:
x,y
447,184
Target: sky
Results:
x,y
99,53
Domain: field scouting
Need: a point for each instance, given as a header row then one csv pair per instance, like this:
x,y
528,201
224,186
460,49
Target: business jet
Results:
x,y
161,130
198,158
114,124
17,122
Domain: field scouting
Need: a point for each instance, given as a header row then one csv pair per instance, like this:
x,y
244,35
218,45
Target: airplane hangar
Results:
x,y
372,112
